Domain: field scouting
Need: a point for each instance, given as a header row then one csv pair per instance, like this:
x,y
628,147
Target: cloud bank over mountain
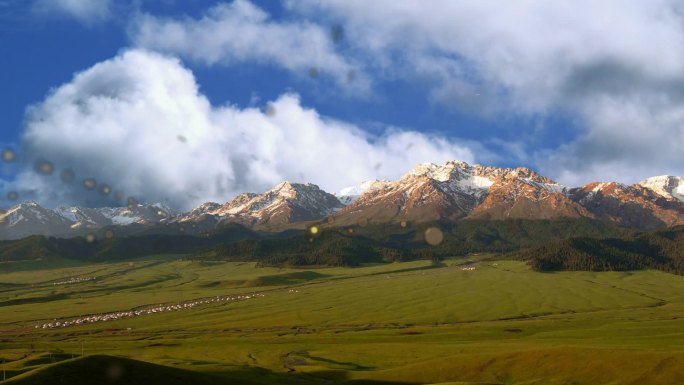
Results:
x,y
139,124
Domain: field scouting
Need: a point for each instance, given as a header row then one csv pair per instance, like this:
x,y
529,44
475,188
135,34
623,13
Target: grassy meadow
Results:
x,y
400,323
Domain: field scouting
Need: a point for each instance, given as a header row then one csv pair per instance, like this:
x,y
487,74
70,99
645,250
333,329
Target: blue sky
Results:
x,y
111,89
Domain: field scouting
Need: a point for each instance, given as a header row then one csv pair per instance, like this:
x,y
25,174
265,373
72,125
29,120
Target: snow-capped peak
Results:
x,y
441,173
666,186
349,194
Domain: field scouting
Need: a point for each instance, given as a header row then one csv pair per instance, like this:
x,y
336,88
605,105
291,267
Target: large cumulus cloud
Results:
x,y
616,67
139,123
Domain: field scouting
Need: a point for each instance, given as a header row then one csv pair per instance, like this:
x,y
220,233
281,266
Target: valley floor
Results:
x,y
473,320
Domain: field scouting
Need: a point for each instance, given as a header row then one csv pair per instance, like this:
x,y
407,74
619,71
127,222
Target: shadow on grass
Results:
x,y
102,370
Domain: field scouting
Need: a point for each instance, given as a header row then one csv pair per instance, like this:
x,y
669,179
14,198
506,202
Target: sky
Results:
x,y
184,102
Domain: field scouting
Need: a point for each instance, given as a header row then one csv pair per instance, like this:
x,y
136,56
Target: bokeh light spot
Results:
x,y
44,167
89,183
337,33
132,203
90,238
67,175
105,189
351,76
434,236
8,155
313,72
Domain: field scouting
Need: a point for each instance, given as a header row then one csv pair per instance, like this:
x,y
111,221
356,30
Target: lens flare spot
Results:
x,y
12,195
313,230
109,234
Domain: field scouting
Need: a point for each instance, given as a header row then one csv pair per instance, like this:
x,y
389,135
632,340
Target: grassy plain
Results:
x,y
412,323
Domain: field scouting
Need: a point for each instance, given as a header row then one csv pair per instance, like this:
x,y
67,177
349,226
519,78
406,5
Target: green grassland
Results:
x,y
417,322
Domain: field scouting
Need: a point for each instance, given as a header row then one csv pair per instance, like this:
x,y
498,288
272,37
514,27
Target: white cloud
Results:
x,y
616,65
240,31
138,123
85,11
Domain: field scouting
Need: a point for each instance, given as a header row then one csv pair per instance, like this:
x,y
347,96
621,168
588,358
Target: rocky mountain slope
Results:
x,y
449,192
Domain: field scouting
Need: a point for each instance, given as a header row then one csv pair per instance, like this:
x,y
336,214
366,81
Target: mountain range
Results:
x,y
449,192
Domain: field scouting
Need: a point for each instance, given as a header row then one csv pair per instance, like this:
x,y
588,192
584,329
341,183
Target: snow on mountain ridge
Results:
x,y
349,194
665,185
